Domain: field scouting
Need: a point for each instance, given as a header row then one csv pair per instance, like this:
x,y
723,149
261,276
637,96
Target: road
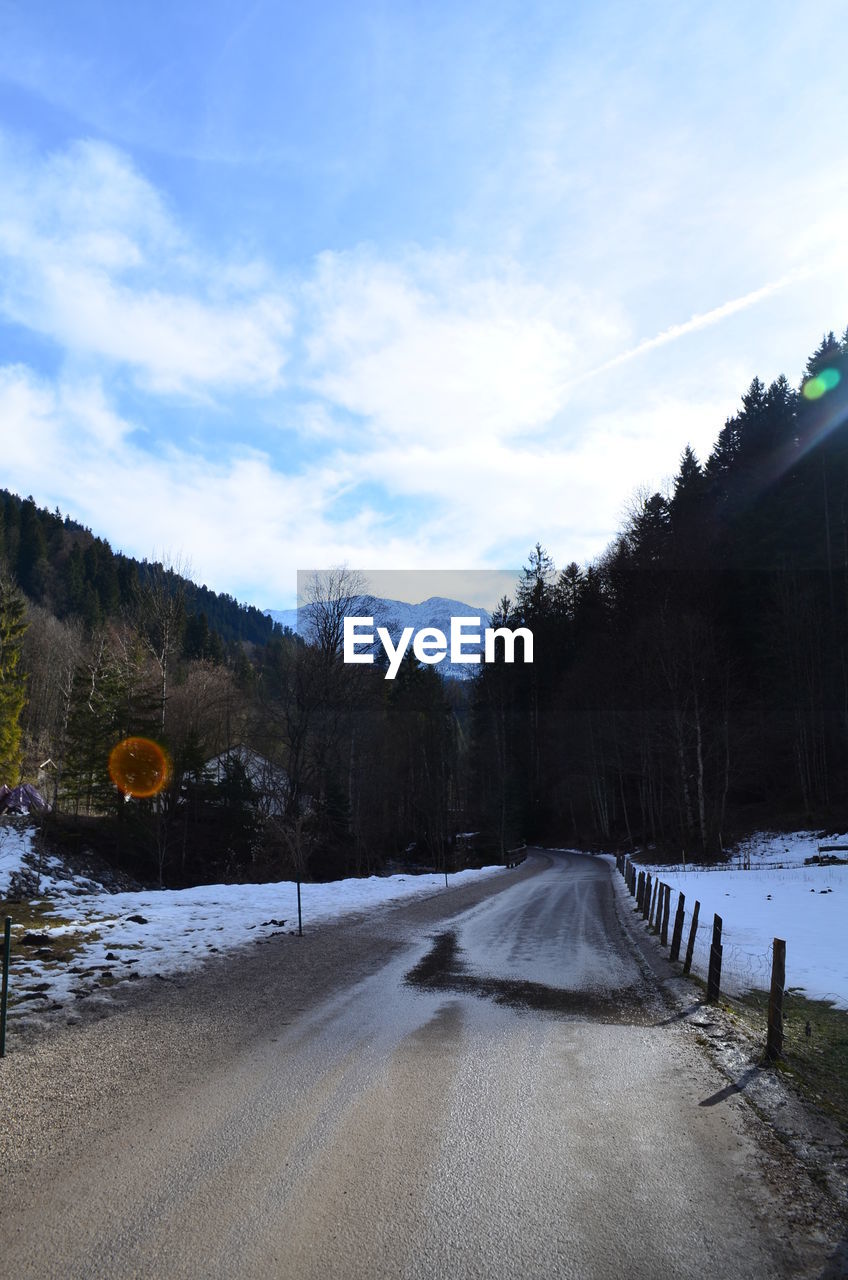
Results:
x,y
492,1086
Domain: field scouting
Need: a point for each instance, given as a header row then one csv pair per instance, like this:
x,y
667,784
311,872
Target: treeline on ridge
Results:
x,y
62,566
693,682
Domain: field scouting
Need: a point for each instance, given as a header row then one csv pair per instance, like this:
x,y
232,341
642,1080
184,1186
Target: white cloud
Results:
x,y
427,348
92,259
236,520
570,495
477,430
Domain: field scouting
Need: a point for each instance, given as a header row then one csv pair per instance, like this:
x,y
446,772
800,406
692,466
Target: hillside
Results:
x,y
64,567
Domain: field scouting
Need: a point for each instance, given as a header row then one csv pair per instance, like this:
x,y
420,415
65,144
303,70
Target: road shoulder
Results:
x,y
64,1087
805,1158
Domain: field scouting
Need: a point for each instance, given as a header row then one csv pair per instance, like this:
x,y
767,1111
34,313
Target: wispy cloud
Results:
x,y
239,518
411,406
428,346
92,259
236,517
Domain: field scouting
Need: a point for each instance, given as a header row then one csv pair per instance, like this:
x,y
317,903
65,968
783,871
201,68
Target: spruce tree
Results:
x,y
32,552
12,679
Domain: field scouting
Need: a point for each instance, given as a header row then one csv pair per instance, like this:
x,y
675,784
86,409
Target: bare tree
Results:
x,y
51,652
332,595
160,615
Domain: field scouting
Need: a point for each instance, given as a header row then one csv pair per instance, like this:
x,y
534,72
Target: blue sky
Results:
x,y
404,285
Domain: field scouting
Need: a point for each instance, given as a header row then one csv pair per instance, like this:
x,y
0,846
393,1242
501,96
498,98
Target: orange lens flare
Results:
x,y
139,767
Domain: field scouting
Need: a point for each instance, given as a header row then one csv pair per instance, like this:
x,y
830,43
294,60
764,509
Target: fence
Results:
x,y
706,952
516,856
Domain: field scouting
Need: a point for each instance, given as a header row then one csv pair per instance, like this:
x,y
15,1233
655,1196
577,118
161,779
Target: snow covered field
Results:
x,y
115,937
779,897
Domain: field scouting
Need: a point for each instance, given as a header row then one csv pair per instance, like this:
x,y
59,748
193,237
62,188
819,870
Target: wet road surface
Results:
x,y
506,1094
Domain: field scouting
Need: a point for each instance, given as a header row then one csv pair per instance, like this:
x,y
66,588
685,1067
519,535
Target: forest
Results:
x,y
687,686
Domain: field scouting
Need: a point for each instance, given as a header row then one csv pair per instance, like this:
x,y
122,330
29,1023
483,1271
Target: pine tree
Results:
x,y
534,595
689,491
827,353
568,588
32,552
113,698
12,679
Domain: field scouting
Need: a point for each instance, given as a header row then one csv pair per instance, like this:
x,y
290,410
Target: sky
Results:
x,y
406,285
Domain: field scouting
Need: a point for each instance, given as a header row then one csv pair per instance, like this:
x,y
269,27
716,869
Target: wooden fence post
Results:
x,y
677,935
646,898
653,909
774,1042
640,890
714,974
666,910
690,946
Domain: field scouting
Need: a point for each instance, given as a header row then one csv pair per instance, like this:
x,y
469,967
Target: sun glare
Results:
x,y
815,388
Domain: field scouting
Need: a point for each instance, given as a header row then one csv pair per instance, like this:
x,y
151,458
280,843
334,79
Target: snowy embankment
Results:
x,y
768,892
85,939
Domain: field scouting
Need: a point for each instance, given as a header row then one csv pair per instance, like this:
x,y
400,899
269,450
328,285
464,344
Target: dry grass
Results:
x,y
816,1062
36,916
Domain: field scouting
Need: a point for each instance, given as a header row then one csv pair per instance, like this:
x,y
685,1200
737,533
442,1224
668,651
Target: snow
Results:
x,y
779,897
181,926
14,845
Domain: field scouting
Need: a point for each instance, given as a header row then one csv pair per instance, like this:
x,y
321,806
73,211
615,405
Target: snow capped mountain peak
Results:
x,y
395,615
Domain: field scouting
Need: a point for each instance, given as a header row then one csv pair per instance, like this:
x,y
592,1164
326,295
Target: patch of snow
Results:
x,y
180,926
15,845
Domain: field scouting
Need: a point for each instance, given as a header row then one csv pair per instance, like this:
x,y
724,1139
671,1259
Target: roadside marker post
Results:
x,y
4,993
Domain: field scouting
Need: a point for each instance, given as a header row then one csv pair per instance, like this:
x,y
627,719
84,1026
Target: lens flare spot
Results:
x,y
815,388
139,767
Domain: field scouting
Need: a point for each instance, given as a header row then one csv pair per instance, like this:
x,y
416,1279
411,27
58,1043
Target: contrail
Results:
x,y
701,321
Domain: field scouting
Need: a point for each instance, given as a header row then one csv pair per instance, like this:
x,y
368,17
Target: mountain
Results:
x,y
60,565
395,615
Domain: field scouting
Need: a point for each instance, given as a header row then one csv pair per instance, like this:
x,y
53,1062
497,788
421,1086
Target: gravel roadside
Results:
x,y
803,1154
62,1088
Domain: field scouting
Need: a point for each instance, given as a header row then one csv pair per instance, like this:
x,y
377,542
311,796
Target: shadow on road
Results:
x,y
443,969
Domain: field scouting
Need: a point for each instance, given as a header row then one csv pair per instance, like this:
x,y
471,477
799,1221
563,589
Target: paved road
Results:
x,y
499,1093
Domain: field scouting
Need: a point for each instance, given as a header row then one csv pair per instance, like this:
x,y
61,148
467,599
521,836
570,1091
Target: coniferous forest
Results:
x,y
689,685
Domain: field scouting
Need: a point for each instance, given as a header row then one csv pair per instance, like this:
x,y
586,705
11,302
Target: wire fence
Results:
x,y
809,1035
746,966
